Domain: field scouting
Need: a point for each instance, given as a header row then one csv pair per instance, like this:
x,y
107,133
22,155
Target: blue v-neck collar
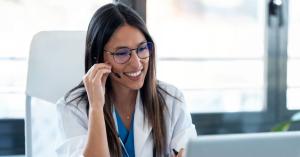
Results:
x,y
127,136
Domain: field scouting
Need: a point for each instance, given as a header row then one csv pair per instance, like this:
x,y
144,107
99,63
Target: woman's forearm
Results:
x,y
97,145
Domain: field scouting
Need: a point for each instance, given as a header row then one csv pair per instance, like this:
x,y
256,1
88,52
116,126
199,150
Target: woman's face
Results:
x,y
132,73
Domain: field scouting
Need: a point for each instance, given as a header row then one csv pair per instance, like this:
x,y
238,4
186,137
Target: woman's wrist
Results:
x,y
93,110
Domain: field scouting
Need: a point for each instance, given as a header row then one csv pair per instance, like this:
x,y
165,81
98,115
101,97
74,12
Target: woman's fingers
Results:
x,y
96,76
94,69
94,81
100,68
180,153
104,77
101,76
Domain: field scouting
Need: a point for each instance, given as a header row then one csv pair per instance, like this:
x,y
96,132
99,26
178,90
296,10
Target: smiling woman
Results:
x,y
120,108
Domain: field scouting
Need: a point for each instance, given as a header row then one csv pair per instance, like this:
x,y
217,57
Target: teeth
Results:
x,y
134,74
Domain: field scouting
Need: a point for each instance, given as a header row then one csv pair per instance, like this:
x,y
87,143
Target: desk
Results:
x,y
12,156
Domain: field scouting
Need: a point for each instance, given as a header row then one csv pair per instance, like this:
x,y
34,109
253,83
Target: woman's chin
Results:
x,y
135,86
132,85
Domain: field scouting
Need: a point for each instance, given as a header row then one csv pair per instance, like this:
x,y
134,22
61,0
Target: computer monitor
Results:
x,y
283,144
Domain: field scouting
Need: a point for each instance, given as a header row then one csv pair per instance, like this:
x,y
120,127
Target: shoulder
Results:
x,y
71,101
174,98
178,117
72,109
170,91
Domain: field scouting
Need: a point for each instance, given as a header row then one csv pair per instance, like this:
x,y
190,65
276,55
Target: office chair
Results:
x,y
55,65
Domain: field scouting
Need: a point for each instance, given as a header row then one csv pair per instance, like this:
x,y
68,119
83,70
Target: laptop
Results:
x,y
272,144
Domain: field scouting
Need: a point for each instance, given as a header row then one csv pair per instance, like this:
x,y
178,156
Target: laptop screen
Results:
x,y
284,144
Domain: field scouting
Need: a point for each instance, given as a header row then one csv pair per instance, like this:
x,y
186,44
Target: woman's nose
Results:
x,y
135,61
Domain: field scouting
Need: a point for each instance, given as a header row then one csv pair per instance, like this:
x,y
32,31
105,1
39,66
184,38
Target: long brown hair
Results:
x,y
101,27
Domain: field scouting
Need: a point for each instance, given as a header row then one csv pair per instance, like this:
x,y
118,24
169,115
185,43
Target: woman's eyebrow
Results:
x,y
120,47
142,42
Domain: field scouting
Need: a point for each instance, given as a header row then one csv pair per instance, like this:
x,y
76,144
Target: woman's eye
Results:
x,y
142,48
121,53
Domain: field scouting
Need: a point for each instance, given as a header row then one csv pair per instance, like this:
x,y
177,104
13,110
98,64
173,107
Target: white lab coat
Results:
x,y
73,126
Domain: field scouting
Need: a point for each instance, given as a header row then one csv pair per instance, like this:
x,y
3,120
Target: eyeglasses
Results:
x,y
123,55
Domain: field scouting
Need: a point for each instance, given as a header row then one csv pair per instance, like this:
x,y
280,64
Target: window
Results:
x,y
235,61
20,21
293,91
212,50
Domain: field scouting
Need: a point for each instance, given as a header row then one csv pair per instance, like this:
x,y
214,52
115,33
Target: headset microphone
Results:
x,y
117,74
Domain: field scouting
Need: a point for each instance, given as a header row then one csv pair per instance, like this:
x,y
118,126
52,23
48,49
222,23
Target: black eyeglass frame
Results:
x,y
150,49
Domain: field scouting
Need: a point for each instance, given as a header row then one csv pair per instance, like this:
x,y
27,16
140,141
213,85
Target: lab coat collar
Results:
x,y
142,130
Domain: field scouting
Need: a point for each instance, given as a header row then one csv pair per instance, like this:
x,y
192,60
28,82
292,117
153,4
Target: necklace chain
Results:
x,y
127,116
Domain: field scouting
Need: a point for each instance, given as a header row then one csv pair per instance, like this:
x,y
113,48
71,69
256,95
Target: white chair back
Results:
x,y
55,65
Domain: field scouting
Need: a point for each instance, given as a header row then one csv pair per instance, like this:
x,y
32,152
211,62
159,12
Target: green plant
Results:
x,y
285,126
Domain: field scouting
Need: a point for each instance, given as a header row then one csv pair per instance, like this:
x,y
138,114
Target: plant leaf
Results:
x,y
284,126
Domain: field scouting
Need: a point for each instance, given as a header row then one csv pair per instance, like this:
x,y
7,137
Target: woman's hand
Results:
x,y
94,81
180,153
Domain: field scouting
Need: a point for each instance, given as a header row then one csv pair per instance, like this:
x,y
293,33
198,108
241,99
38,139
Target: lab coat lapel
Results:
x,y
141,129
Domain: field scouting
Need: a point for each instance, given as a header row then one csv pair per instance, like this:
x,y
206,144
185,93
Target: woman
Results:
x,y
120,109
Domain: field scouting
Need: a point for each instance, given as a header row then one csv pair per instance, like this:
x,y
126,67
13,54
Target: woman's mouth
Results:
x,y
134,75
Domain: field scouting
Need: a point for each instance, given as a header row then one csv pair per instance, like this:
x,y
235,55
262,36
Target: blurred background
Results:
x,y
235,60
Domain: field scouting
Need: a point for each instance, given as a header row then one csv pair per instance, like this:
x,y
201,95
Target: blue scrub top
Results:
x,y
127,136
